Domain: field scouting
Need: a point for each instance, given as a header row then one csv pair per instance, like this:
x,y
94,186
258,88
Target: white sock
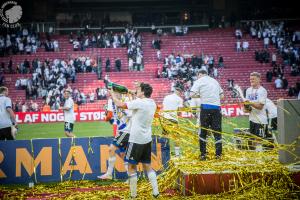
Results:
x,y
126,166
153,181
177,151
111,165
133,184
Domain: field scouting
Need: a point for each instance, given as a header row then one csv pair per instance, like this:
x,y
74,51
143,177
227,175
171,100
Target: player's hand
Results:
x,y
132,92
247,106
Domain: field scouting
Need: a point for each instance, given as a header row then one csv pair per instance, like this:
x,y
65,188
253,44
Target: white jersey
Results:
x,y
143,111
69,114
172,102
271,108
209,90
257,96
5,120
120,116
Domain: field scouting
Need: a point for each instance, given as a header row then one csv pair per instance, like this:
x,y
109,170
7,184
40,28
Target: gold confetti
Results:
x,y
272,179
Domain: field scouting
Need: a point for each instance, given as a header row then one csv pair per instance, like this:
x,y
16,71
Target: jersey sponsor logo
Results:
x,y
253,97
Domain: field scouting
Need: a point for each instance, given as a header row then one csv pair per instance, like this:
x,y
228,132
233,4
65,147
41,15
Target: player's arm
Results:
x,y
117,101
245,108
194,95
262,101
12,115
258,106
246,104
10,111
67,107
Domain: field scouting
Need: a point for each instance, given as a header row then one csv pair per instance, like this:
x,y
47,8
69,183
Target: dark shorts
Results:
x,y
121,141
274,123
138,153
69,127
260,130
5,134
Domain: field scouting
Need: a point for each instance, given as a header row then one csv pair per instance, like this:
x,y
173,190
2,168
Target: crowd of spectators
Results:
x,y
134,49
284,40
102,39
23,41
185,67
130,38
49,80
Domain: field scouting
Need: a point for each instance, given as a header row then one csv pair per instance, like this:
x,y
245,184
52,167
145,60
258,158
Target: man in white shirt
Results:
x,y
278,83
210,93
69,115
245,45
171,104
76,45
266,42
92,97
274,59
238,46
256,97
140,139
8,122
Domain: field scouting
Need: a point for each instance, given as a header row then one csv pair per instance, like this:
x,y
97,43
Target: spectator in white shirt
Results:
x,y
266,42
238,33
139,62
238,46
274,59
158,54
130,64
76,45
92,97
245,45
55,44
21,47
24,107
28,49
278,83
25,32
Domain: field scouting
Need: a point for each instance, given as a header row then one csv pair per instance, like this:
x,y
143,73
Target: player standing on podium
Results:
x,y
210,93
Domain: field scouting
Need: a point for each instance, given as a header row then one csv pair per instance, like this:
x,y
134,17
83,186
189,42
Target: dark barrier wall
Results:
x,y
53,160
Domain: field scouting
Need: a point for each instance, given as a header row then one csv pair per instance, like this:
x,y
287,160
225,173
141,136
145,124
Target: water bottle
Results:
x,y
117,88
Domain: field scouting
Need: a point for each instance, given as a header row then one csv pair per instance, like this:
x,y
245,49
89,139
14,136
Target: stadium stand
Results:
x,y
214,42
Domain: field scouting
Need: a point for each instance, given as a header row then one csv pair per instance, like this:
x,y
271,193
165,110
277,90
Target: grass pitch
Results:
x,y
88,129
